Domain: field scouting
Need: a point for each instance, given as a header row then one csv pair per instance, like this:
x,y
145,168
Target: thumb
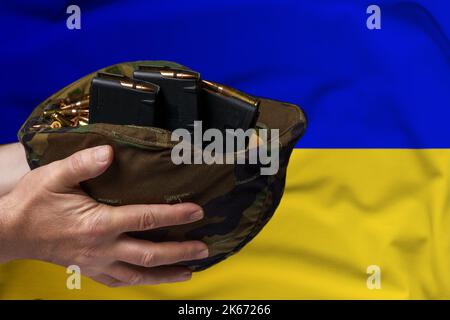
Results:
x,y
82,165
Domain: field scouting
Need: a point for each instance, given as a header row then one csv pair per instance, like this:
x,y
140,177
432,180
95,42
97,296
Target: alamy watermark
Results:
x,y
73,21
214,146
74,279
373,22
374,278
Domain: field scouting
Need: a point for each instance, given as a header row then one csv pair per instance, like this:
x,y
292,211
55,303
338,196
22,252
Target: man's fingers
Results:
x,y
106,280
150,254
128,275
82,165
146,217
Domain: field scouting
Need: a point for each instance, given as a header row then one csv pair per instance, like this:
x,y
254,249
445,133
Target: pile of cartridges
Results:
x,y
167,98
66,114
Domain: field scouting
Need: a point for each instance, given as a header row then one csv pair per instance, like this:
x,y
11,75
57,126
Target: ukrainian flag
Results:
x,y
366,212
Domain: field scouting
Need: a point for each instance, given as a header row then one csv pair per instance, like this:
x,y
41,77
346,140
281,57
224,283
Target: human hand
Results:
x,y
47,216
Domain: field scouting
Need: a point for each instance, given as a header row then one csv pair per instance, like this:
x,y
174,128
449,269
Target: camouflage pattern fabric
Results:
x,y
238,201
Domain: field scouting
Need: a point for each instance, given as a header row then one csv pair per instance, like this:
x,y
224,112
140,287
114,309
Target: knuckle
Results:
x,y
135,278
76,163
148,219
87,254
95,227
44,177
148,259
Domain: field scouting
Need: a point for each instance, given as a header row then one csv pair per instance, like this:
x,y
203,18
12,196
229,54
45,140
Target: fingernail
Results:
x,y
202,254
102,154
197,215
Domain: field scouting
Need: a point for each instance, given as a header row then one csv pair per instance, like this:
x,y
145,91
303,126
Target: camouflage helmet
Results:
x,y
237,199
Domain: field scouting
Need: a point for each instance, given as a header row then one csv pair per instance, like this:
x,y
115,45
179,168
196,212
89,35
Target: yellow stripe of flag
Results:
x,y
343,211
